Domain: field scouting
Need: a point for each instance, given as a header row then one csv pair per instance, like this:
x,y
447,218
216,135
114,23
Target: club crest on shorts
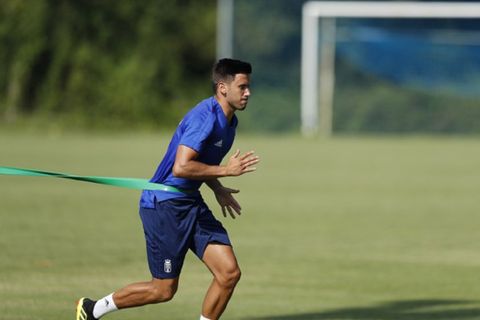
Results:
x,y
167,265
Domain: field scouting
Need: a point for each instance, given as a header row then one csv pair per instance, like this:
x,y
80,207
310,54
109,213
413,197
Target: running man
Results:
x,y
176,221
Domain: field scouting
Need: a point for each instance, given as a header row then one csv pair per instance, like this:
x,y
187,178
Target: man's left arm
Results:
x,y
225,198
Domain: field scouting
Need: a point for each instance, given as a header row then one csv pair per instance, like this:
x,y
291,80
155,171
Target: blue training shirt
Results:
x,y
204,129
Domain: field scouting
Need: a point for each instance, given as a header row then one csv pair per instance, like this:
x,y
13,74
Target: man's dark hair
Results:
x,y
226,69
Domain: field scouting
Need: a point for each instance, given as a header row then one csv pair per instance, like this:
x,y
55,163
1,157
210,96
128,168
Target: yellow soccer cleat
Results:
x,y
85,309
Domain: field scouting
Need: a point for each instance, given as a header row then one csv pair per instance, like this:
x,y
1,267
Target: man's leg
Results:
x,y
222,262
133,295
142,293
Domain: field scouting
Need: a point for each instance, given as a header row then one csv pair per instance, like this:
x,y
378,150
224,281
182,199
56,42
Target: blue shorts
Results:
x,y
173,227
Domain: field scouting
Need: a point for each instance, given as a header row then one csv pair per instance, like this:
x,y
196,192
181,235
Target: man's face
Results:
x,y
237,91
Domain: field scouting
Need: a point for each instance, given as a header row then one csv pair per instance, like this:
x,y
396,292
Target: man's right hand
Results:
x,y
240,164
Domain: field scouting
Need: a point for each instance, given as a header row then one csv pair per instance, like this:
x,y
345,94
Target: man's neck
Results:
x,y
227,110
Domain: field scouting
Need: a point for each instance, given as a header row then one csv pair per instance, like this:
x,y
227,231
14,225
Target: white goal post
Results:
x,y
318,74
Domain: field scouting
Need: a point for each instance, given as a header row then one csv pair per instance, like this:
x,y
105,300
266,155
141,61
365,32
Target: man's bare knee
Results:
x,y
229,278
162,292
221,261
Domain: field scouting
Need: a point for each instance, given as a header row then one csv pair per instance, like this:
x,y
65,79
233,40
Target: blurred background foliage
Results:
x,y
104,63
142,64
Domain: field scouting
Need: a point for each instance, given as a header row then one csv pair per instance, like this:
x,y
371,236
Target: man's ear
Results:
x,y
222,88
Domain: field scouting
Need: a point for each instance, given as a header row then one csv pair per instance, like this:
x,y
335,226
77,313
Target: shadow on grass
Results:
x,y
397,310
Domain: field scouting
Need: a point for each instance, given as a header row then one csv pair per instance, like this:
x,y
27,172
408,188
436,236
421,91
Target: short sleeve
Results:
x,y
197,128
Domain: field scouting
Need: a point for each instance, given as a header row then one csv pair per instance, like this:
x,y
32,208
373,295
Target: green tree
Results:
x,y
104,62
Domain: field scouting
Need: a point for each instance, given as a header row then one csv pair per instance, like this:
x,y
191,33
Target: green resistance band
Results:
x,y
132,183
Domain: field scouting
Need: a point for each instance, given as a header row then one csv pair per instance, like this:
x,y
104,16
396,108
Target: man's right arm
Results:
x,y
186,166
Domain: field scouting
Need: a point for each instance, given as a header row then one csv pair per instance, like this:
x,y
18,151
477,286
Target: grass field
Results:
x,y
349,228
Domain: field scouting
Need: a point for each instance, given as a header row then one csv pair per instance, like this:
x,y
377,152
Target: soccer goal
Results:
x,y
318,56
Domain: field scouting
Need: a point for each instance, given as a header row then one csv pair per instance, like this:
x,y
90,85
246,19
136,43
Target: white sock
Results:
x,y
203,318
104,306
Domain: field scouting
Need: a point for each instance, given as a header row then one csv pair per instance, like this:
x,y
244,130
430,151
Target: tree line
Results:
x,y
104,62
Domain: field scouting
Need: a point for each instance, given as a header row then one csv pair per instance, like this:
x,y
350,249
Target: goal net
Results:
x,y
401,43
